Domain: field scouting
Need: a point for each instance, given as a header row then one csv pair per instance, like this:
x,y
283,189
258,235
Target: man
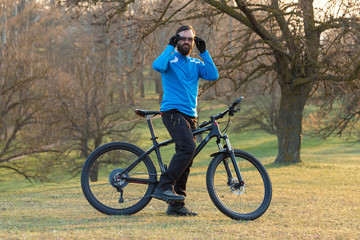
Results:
x,y
180,79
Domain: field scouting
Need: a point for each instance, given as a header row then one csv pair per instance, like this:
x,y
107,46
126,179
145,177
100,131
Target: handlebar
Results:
x,y
231,110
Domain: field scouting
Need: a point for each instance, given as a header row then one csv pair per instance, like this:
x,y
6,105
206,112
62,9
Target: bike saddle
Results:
x,y
144,113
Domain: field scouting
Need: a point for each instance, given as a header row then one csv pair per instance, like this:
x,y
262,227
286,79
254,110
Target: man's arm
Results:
x,y
161,63
208,70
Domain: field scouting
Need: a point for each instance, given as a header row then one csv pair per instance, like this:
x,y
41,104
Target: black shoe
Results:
x,y
167,196
180,211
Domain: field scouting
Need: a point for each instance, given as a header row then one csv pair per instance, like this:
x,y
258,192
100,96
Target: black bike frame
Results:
x,y
214,132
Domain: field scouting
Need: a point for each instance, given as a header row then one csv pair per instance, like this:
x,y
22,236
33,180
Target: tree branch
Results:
x,y
160,20
18,171
322,77
249,20
283,24
336,23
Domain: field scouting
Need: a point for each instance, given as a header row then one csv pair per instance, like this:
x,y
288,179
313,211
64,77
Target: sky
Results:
x,y
320,3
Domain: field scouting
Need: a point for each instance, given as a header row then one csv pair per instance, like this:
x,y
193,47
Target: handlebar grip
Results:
x,y
236,102
230,110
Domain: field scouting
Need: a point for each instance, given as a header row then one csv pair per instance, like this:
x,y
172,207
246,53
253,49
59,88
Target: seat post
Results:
x,y
151,128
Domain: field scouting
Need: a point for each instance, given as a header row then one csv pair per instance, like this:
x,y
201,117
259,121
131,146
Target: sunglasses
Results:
x,y
189,39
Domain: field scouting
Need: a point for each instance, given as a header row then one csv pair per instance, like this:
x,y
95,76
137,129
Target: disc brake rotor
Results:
x,y
234,187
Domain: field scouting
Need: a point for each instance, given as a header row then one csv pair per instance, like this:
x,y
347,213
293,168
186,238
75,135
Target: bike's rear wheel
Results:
x,y
246,202
109,188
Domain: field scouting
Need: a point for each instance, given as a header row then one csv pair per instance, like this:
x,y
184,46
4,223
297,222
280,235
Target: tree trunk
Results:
x,y
140,81
289,136
158,85
94,172
84,147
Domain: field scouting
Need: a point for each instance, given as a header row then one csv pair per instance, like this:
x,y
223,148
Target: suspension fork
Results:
x,y
231,153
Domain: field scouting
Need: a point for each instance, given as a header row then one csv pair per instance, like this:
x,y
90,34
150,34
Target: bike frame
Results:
x,y
214,132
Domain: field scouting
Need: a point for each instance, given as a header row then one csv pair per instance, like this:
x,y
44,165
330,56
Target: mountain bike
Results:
x,y
119,178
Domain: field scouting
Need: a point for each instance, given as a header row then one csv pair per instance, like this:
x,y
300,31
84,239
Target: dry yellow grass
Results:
x,y
310,201
317,199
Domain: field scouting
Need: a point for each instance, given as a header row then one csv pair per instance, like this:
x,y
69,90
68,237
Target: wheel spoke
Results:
x,y
104,182
247,202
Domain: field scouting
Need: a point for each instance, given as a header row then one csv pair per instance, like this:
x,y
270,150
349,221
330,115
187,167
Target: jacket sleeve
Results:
x,y
208,70
162,62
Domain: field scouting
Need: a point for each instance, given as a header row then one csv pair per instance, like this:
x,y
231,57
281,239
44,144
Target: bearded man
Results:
x,y
180,80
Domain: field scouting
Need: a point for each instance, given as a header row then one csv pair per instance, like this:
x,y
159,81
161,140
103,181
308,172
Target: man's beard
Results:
x,y
185,51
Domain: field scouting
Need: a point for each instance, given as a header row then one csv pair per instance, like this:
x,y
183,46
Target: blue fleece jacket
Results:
x,y
180,79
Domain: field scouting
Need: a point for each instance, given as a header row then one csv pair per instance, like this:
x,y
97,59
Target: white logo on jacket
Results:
x,y
194,60
174,60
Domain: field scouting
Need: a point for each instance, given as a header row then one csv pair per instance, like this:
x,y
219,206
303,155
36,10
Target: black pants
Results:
x,y
180,127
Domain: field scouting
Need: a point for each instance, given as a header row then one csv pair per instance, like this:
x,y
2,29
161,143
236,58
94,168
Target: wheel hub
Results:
x,y
236,187
117,178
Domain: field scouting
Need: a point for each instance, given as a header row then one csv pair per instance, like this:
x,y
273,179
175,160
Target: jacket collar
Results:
x,y
180,56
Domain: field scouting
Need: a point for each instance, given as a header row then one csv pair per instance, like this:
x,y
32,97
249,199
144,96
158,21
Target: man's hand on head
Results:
x,y
174,40
200,44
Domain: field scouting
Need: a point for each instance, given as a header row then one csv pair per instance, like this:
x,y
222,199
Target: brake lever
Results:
x,y
232,111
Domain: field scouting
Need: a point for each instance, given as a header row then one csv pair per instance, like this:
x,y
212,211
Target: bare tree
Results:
x,y
23,80
339,112
260,113
91,101
60,89
287,42
293,44
339,115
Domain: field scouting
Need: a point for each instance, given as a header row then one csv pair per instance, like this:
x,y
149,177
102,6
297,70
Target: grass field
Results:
x,y
316,199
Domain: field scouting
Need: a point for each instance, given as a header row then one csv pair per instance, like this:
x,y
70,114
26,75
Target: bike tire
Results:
x,y
107,163
245,203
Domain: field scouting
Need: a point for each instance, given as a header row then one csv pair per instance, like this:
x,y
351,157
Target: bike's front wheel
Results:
x,y
111,186
240,201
